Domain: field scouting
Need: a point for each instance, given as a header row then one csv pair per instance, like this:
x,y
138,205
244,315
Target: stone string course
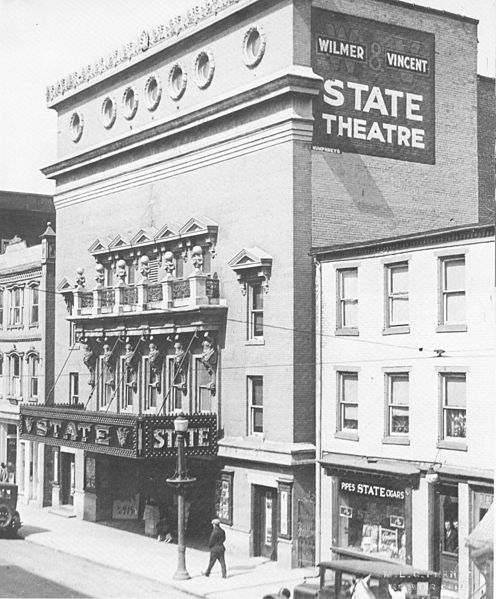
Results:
x,y
128,51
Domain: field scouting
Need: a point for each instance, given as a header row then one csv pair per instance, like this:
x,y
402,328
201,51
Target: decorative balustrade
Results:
x,y
170,294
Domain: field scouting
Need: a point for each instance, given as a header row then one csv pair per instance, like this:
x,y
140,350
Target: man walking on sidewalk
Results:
x,y
217,548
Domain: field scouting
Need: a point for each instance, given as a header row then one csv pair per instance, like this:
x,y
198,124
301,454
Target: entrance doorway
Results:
x,y
446,527
265,522
67,478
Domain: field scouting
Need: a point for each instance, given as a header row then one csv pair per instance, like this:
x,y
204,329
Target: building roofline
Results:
x,y
386,244
435,11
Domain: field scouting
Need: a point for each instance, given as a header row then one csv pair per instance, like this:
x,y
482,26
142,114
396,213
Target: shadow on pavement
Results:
x,y
28,530
18,582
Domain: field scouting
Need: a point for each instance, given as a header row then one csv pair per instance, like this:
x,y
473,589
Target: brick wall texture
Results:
x,y
486,139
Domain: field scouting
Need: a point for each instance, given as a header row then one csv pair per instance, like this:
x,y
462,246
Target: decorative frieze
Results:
x,y
134,48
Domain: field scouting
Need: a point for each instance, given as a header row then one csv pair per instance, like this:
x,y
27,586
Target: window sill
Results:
x,y
347,435
399,330
451,328
15,327
255,341
34,325
455,445
345,332
396,440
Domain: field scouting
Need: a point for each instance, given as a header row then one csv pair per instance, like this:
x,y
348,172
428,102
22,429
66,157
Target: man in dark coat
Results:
x,y
217,549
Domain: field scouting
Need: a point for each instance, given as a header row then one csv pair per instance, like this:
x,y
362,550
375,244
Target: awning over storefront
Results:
x,y
481,539
124,435
339,464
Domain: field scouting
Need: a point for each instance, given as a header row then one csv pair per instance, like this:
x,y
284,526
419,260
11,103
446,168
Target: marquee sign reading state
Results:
x,y
124,435
377,95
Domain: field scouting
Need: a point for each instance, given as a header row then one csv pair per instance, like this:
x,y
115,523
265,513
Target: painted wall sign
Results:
x,y
377,94
371,490
117,434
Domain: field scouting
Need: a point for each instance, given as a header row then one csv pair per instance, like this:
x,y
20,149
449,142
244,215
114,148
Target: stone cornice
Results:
x,y
416,240
24,273
147,44
295,79
258,450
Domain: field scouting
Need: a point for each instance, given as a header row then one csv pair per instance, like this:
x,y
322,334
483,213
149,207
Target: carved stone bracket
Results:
x,y
108,359
181,365
156,358
89,360
131,363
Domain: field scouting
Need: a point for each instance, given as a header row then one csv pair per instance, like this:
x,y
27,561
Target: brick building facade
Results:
x,y
194,148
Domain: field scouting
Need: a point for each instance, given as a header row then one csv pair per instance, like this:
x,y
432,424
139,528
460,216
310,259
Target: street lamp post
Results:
x,y
181,481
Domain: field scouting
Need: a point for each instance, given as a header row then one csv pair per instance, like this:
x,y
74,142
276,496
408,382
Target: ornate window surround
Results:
x,y
154,244
252,265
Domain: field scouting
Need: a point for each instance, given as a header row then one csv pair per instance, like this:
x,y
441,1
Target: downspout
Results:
x,y
318,405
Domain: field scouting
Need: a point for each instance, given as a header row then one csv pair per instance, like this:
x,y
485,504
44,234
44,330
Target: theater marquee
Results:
x,y
377,94
123,435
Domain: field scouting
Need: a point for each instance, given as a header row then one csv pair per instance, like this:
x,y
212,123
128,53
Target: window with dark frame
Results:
x,y
454,406
33,376
255,310
74,387
452,290
15,389
255,399
347,317
397,307
348,401
16,306
398,404
150,390
35,303
127,379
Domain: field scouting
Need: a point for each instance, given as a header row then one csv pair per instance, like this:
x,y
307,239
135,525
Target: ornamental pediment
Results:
x,y
118,242
195,225
64,286
166,232
143,236
250,258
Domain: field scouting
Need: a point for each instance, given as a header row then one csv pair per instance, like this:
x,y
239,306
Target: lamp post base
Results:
x,y
181,575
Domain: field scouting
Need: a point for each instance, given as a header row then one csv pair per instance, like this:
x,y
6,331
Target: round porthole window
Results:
x,y
109,112
204,69
153,92
253,46
129,103
76,126
177,82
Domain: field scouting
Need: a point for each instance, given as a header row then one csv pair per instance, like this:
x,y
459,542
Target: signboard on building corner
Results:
x,y
377,94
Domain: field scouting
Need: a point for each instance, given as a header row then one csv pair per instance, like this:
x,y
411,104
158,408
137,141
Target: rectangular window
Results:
x,y
203,395
15,389
347,298
397,295
255,403
452,290
16,306
348,401
454,405
1,308
106,387
150,389
398,403
33,377
255,311
74,387
128,381
35,299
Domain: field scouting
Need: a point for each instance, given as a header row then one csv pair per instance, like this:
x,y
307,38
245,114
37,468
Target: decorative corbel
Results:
x,y
209,359
80,278
197,260
99,275
169,265
108,366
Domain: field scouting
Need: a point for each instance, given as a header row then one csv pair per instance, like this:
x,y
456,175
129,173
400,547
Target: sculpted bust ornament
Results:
x,y
181,362
169,264
155,358
89,360
209,360
130,362
108,366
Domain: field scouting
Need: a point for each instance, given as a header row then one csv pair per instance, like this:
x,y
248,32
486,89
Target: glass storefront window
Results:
x,y
372,518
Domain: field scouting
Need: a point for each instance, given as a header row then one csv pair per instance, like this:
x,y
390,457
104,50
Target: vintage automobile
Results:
x,y
10,520
370,579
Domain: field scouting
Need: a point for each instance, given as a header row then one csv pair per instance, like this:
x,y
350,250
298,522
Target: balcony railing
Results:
x,y
196,290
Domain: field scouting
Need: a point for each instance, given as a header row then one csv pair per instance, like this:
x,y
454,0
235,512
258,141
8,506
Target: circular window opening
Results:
x,y
129,103
109,112
153,93
253,46
204,69
177,82
76,126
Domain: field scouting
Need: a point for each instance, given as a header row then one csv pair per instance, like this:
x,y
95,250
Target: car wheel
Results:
x,y
5,515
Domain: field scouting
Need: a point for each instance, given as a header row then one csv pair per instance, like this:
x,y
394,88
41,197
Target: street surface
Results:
x,y
28,570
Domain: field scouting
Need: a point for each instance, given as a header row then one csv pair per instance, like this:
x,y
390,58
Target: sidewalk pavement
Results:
x,y
248,578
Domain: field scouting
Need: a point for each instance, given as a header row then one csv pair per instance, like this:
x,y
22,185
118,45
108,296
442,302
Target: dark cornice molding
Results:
x,y
436,236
